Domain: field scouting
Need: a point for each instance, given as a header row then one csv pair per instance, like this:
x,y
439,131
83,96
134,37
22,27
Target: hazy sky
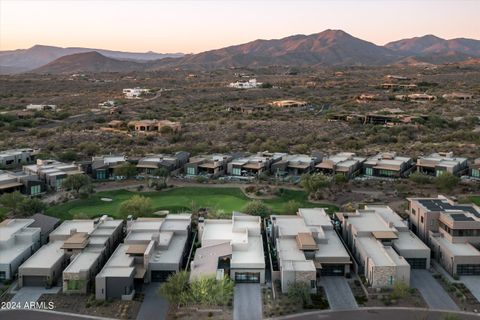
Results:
x,y
197,25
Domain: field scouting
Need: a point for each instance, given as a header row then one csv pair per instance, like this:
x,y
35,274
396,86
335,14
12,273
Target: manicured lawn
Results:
x,y
176,200
475,199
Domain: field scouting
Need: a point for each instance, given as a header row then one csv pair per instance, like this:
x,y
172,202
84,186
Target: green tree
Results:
x,y
78,182
292,207
446,182
12,201
400,290
313,183
174,287
137,206
420,178
30,206
163,174
127,170
340,179
257,208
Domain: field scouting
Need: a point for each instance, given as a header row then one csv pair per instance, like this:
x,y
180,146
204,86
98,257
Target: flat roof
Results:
x,y
80,226
205,261
315,217
46,256
173,254
409,241
83,261
10,227
120,264
458,249
368,220
333,248
375,251
250,256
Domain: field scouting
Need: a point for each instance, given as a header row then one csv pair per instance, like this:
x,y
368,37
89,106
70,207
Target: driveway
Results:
x,y
31,294
432,292
247,302
473,284
153,305
339,294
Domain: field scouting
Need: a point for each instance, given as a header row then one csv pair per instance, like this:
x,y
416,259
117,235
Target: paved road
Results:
x,y
381,314
247,302
473,284
339,294
31,294
432,292
153,306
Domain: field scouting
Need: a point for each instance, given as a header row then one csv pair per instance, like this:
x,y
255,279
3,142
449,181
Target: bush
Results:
x,y
446,182
257,208
136,206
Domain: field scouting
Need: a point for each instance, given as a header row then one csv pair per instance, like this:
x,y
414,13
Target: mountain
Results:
x,y
430,45
330,47
23,60
89,62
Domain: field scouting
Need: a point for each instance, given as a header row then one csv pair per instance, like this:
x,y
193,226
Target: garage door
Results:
x,y
468,269
417,263
160,276
247,277
332,270
34,281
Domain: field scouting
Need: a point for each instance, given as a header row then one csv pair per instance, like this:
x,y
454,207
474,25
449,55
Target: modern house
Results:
x,y
19,181
75,254
383,246
135,93
438,163
421,97
344,163
46,224
250,84
253,165
231,248
388,164
288,103
17,157
208,165
451,230
457,96
103,166
18,241
41,107
152,126
475,169
52,173
307,248
294,165
153,249
172,162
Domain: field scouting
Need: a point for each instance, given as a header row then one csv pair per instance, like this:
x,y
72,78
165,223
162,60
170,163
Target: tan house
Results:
x,y
145,126
345,163
208,165
288,103
451,230
458,96
436,164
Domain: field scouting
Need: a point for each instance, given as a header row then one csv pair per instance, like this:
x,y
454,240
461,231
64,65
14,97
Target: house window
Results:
x,y
476,173
58,183
414,212
421,219
313,284
390,280
3,275
191,171
439,172
369,171
34,190
101,174
237,171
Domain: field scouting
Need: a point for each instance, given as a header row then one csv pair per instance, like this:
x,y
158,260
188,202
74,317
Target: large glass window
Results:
x,y
101,174
34,190
369,171
237,171
3,276
191,171
58,184
476,173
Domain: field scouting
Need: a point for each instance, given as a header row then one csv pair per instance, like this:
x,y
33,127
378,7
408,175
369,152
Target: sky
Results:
x,y
192,26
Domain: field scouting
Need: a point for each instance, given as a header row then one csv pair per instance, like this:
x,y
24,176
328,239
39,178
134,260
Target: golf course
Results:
x,y
177,200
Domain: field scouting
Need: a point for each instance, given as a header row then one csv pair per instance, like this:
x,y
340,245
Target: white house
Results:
x,y
252,83
134,93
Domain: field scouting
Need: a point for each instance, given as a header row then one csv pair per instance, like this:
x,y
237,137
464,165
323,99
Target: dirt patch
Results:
x,y
459,293
194,313
86,304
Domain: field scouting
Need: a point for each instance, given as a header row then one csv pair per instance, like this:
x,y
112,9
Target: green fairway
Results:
x,y
475,199
177,200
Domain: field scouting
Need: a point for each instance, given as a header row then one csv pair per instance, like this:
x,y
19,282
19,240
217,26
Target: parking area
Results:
x,y
247,302
339,294
153,305
31,294
431,291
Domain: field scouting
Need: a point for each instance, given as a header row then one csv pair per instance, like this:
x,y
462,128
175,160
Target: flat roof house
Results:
x,y
253,165
46,224
437,163
52,172
383,246
457,96
345,163
231,248
27,184
135,93
18,241
294,165
307,247
171,162
145,126
288,103
103,166
387,164
451,230
75,254
17,157
214,165
153,249
475,169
